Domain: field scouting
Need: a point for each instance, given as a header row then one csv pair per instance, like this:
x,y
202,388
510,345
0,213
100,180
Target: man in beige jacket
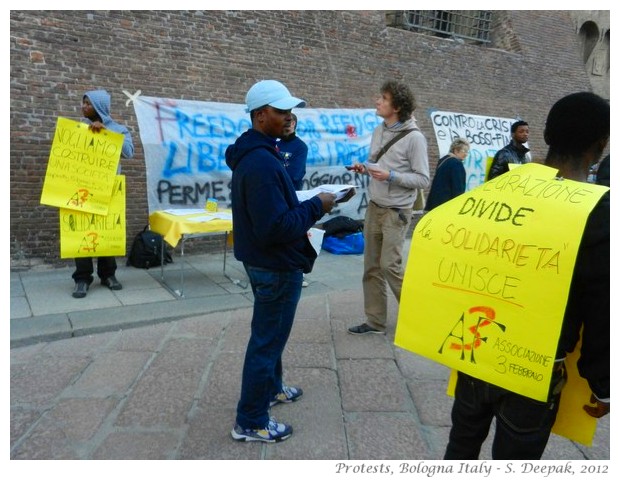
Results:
x,y
398,167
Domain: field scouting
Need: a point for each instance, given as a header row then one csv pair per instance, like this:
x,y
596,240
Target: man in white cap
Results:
x,y
270,228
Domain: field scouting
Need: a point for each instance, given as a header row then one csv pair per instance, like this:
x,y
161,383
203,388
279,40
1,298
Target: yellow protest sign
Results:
x,y
487,168
81,168
572,421
488,276
89,235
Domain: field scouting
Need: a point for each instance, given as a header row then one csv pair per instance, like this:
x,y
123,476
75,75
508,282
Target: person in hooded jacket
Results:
x,y
270,228
96,112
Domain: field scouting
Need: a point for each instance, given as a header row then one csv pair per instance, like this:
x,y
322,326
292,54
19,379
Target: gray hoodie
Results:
x,y
407,159
100,100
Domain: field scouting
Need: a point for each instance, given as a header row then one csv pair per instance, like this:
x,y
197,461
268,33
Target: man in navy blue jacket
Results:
x,y
270,228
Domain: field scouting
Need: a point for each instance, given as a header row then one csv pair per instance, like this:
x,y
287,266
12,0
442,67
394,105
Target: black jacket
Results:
x,y
511,153
588,302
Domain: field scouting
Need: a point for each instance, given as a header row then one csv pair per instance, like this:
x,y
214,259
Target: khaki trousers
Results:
x,y
384,235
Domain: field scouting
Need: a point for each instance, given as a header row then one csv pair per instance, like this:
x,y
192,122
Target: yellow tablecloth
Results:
x,y
173,227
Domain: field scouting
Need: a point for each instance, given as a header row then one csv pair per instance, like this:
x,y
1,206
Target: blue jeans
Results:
x,y
523,425
276,295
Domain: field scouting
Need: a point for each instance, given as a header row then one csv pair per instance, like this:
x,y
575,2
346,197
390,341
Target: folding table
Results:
x,y
174,225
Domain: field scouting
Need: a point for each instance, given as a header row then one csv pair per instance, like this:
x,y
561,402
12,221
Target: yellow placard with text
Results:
x,y
572,421
488,276
81,168
90,235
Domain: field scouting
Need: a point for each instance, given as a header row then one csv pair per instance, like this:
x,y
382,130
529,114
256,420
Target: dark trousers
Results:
x,y
276,295
523,425
106,267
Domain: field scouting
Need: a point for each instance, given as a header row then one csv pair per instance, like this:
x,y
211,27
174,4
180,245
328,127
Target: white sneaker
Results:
x,y
273,432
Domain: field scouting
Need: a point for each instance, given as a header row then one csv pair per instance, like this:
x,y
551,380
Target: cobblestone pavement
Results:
x,y
141,374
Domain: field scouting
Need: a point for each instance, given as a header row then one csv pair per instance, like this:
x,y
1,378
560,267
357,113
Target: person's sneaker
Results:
x,y
273,432
80,289
287,395
304,284
363,329
112,283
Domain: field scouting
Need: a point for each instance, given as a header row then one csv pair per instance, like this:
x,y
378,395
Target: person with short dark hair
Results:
x,y
396,175
577,132
96,112
270,228
514,152
294,153
449,180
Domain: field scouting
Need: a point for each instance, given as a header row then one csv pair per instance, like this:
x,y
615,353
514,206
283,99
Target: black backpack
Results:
x,y
342,226
146,250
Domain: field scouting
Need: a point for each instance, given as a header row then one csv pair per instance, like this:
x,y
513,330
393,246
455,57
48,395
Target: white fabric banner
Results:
x,y
185,141
486,135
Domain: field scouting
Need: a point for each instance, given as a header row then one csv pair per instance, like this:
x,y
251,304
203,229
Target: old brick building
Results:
x,y
518,64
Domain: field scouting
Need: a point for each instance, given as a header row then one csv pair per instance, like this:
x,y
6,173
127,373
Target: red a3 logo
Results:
x,y
466,335
89,242
79,198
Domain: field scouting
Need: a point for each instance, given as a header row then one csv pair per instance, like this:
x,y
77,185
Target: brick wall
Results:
x,y
331,59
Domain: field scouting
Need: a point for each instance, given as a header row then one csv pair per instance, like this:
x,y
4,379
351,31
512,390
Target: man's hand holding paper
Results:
x,y
342,192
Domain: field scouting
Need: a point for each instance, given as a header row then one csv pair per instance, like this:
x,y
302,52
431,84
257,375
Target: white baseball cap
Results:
x,y
272,93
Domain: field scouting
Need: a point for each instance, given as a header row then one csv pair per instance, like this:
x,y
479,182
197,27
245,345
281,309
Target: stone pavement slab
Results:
x,y
143,374
169,391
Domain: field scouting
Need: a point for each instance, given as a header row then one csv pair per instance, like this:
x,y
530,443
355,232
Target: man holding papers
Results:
x,y
398,167
342,192
270,231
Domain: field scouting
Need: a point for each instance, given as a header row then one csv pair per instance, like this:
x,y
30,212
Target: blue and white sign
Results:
x,y
486,135
185,141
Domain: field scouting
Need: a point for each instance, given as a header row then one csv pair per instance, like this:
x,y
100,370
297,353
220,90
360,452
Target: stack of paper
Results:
x,y
211,216
339,190
184,211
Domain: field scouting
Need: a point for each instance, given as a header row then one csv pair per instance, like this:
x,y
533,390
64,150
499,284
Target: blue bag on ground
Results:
x,y
352,244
